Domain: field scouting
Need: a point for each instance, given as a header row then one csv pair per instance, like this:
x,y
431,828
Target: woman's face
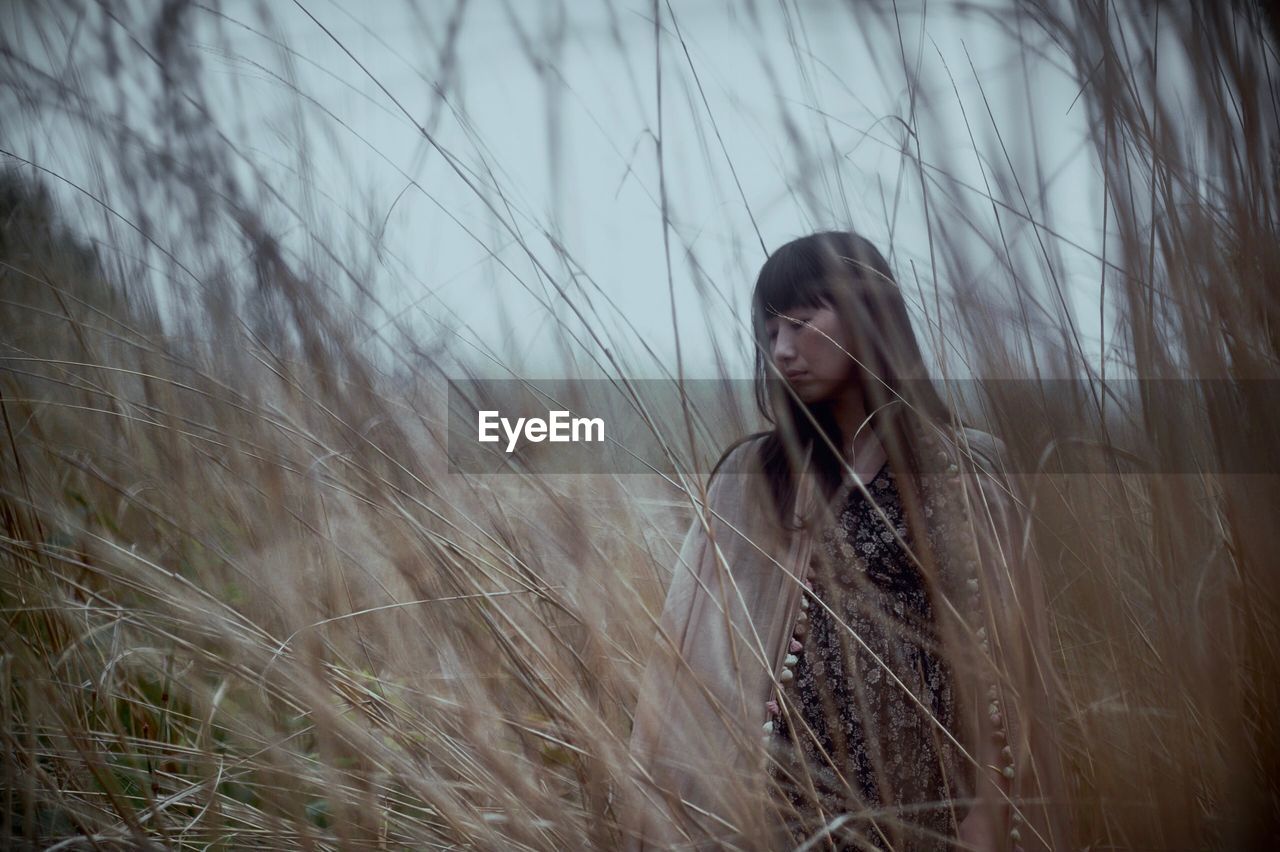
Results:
x,y
810,348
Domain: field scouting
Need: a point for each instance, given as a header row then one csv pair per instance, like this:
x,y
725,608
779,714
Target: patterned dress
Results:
x,y
851,744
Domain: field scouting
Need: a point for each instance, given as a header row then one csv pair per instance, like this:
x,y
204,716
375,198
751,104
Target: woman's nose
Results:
x,y
783,347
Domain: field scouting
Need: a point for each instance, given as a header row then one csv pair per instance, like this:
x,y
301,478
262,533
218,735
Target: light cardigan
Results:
x,y
699,765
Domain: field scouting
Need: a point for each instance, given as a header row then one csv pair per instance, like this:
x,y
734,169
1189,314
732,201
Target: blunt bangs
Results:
x,y
818,270
784,299
795,276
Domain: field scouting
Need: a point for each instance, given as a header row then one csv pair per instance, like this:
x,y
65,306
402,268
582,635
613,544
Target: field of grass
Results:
x,y
246,604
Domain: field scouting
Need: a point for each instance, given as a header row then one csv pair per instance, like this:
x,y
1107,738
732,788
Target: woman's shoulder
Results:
x,y
984,449
742,456
984,456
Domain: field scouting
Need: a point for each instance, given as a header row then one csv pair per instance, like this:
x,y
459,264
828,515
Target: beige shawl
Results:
x,y
734,596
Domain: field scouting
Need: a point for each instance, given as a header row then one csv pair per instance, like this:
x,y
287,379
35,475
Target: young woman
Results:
x,y
851,653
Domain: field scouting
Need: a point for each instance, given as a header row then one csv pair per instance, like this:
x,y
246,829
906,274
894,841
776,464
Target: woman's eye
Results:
x,y
792,321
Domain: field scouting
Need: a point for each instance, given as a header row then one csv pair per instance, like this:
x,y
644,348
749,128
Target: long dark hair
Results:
x,y
846,272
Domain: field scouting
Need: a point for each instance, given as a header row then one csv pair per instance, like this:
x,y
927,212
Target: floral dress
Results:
x,y
851,745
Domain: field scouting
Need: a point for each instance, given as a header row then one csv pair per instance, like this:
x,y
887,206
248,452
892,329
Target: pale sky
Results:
x,y
552,116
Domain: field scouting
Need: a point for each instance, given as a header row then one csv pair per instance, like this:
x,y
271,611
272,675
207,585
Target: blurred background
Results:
x,y
244,246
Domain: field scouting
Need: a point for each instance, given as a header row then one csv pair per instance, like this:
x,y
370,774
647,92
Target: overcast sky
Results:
x,y
549,126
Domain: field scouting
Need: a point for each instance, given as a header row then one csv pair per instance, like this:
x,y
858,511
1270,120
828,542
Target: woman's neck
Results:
x,y
859,442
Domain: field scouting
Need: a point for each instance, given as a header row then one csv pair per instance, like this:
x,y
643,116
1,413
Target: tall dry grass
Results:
x,y
247,605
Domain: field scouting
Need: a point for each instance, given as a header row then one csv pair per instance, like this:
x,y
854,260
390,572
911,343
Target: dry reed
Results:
x,y
247,605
